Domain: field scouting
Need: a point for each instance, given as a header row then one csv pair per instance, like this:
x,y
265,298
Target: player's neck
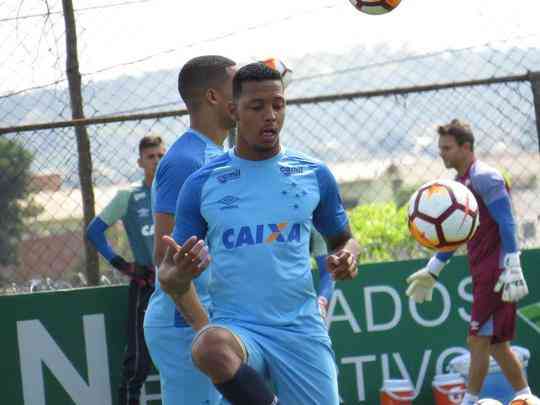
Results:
x,y
148,180
210,129
462,169
247,153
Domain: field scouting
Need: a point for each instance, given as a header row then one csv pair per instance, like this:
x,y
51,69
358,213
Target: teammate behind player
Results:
x,y
132,206
498,281
255,206
205,85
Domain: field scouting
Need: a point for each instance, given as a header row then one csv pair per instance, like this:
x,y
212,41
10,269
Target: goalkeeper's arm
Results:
x,y
95,233
511,281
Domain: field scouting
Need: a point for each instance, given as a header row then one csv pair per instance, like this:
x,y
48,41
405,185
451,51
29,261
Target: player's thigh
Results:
x,y
304,372
181,382
490,316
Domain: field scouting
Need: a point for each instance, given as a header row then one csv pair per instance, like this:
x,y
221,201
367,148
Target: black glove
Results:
x,y
142,275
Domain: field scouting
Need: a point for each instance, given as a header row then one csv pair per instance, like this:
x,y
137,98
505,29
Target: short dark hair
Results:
x,y
254,72
461,131
198,75
149,141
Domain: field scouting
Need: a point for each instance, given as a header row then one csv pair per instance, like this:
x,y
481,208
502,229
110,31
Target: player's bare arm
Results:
x,y
163,225
180,265
343,260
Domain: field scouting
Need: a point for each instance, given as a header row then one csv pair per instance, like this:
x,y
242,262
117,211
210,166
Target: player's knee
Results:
x,y
501,348
479,343
213,351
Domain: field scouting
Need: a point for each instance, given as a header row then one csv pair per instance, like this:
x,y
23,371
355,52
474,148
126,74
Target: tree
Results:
x,y
14,185
383,234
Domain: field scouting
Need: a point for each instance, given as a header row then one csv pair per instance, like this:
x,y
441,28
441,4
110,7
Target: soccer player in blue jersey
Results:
x,y
493,253
133,207
247,215
205,85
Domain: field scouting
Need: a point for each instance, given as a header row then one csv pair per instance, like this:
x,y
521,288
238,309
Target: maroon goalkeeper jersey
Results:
x,y
484,249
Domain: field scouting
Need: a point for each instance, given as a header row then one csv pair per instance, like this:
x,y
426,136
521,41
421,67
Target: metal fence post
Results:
x,y
535,86
83,143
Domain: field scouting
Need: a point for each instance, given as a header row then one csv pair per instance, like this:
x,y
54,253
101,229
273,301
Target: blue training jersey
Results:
x,y
256,217
188,153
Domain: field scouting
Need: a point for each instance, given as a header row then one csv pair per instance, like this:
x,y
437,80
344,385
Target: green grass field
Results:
x,y
531,315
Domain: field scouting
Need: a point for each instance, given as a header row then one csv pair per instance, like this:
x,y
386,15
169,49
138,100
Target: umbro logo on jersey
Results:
x,y
139,196
228,202
287,171
225,177
261,233
143,212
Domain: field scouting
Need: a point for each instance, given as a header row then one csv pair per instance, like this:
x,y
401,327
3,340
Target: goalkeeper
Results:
x,y
493,254
133,207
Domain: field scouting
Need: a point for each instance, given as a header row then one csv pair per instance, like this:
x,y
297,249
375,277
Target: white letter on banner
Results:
x,y
439,368
447,305
357,361
421,374
466,297
347,316
371,326
36,346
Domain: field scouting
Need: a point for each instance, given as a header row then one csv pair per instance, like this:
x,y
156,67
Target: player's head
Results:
x,y
456,143
258,108
151,150
205,85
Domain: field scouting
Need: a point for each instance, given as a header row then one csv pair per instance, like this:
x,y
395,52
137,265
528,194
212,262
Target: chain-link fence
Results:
x,y
380,147
369,113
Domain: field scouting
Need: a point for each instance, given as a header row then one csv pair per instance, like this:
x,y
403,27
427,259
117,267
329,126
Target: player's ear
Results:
x,y
139,162
211,96
233,110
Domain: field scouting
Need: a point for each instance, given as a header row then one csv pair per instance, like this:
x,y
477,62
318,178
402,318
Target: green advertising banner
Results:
x,y
66,347
378,333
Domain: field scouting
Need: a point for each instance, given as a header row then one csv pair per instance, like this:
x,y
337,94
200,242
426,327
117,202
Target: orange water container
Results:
x,y
448,389
397,392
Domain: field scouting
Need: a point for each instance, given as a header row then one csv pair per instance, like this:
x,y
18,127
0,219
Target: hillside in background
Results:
x,y
341,131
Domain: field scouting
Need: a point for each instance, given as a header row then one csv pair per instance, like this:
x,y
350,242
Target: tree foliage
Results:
x,y
383,234
15,164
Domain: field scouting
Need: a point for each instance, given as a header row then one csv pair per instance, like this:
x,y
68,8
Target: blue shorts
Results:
x,y
181,382
301,369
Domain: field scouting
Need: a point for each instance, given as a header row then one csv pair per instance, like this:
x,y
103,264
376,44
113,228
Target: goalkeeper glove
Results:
x,y
422,282
511,281
143,276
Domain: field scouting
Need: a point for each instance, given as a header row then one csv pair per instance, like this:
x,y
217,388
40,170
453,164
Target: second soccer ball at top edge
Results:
x,y
375,7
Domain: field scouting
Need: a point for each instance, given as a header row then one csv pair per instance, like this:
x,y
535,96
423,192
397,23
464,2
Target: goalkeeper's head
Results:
x,y
456,144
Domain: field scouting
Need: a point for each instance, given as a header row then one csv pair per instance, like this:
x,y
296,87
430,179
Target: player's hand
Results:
x,y
182,264
149,275
511,281
135,272
421,284
342,265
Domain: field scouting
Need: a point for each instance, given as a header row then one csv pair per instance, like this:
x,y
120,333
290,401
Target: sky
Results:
x,y
135,36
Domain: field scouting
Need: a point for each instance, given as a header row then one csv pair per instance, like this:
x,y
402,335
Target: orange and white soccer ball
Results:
x,y
488,401
525,399
279,65
375,7
443,215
